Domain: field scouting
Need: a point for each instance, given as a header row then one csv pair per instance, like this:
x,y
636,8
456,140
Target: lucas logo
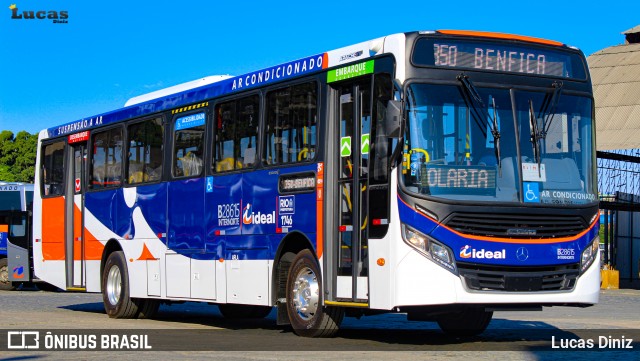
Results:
x,y
468,252
58,17
248,217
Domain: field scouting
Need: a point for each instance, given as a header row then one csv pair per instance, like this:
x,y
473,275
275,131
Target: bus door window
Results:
x,y
53,169
80,161
346,174
364,93
379,153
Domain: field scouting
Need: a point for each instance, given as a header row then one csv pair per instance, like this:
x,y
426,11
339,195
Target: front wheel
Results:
x,y
469,322
5,284
115,288
308,317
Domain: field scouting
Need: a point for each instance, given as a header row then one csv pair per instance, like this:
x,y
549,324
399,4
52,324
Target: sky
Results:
x,y
111,51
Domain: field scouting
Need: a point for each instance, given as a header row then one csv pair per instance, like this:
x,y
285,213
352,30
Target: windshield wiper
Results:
x,y
471,98
546,113
548,108
536,135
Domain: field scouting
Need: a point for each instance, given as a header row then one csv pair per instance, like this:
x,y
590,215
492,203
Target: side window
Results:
x,y
291,127
145,151
188,145
53,169
236,134
106,167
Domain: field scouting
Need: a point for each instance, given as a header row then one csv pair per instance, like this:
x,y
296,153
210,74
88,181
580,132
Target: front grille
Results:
x,y
525,226
519,279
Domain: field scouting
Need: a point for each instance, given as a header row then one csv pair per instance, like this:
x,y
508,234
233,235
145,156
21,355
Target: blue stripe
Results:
x,y
537,254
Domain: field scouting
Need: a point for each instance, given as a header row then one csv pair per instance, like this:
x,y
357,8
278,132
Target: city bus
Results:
x,y
16,202
442,174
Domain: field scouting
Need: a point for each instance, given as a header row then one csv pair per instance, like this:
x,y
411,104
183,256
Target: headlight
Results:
x,y
432,249
589,254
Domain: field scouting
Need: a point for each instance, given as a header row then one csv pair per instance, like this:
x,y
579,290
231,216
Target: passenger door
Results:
x,y
354,129
74,216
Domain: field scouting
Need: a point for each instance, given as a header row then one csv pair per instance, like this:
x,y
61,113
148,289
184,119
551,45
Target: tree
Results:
x,y
17,156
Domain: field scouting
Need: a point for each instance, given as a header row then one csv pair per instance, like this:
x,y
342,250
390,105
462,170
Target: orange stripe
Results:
x,y
508,240
486,34
92,247
4,228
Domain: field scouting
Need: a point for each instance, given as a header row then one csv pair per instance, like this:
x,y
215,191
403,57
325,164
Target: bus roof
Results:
x,y
504,36
176,89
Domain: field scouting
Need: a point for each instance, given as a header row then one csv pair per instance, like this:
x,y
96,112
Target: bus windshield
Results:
x,y
463,143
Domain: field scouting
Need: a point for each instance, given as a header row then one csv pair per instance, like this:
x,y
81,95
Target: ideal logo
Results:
x,y
248,217
58,17
18,272
468,252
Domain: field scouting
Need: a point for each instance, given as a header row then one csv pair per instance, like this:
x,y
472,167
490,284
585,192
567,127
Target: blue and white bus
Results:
x,y
16,202
442,174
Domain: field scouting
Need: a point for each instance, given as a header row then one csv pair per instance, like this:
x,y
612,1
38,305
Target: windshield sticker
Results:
x,y
531,192
566,197
443,179
345,146
532,173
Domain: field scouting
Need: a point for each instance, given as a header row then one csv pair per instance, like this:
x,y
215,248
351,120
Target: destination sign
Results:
x,y
79,137
298,182
444,179
498,57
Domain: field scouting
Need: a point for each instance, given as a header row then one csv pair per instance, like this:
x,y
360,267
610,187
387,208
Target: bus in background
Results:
x,y
442,174
16,204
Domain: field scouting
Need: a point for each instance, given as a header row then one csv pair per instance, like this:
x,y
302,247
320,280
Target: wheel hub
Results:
x,y
114,285
306,293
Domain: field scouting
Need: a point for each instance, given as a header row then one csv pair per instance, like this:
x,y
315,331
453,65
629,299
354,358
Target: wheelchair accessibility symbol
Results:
x,y
209,184
531,192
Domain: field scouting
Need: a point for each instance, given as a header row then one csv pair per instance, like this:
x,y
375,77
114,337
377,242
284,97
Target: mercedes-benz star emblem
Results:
x,y
522,254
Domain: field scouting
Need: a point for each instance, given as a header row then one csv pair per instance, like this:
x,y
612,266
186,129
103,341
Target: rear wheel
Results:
x,y
233,311
115,288
148,307
471,321
5,284
304,300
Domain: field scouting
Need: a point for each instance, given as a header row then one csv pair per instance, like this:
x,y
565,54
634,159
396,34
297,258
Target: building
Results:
x,y
615,73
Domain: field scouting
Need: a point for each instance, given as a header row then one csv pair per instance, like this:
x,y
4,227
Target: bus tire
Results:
x,y
471,321
233,311
308,317
115,288
5,284
148,307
